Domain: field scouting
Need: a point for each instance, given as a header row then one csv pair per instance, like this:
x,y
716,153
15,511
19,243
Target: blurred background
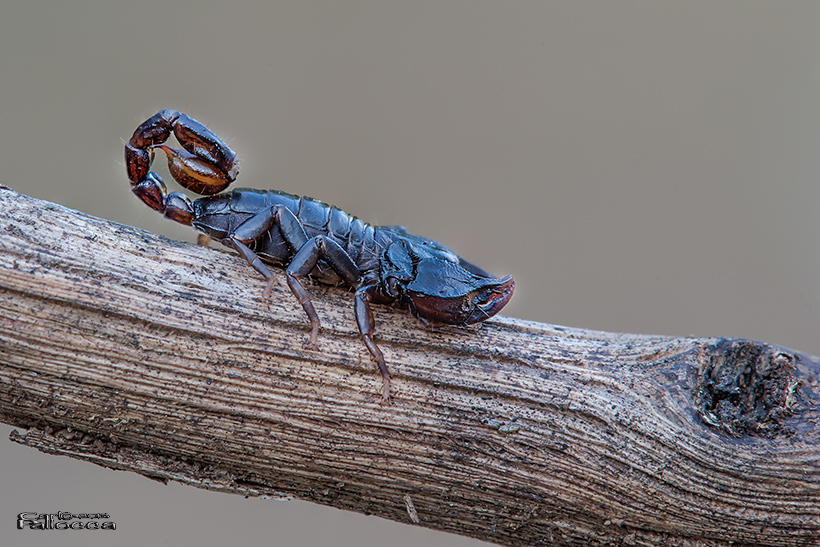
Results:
x,y
637,166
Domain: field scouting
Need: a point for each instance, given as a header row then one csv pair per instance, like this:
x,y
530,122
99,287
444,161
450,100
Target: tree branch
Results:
x,y
139,353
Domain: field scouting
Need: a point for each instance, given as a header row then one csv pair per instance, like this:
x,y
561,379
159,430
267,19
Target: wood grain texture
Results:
x,y
140,353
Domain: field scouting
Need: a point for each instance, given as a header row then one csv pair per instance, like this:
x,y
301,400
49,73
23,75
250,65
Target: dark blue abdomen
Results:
x,y
220,215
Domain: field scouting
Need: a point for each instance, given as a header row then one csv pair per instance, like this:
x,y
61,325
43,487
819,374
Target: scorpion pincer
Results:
x,y
382,264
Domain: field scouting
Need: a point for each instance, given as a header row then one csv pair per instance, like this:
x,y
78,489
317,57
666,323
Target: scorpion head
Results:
x,y
445,292
435,286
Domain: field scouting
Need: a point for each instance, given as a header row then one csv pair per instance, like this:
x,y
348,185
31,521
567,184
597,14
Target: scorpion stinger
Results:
x,y
206,165
383,264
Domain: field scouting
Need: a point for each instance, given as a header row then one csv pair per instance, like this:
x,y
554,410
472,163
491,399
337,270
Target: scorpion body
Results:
x,y
382,264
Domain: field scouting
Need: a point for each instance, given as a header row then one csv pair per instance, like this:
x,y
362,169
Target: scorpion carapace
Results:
x,y
382,264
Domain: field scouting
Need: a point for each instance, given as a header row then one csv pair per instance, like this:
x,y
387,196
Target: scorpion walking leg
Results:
x,y
303,263
278,215
257,226
255,262
295,287
367,324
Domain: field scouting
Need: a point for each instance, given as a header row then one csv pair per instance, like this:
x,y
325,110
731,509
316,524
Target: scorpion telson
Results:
x,y
382,264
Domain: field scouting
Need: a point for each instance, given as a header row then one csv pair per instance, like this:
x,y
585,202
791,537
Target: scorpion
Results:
x,y
381,264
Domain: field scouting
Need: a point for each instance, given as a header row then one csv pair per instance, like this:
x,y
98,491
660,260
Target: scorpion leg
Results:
x,y
367,324
257,226
322,247
256,263
319,247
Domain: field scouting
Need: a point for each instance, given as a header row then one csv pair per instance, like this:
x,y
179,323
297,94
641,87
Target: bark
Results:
x,y
139,353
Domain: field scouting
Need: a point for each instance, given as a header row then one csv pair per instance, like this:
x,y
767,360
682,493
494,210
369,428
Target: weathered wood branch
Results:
x,y
134,352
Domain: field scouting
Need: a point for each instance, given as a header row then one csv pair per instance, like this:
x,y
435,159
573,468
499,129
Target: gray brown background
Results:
x,y
638,166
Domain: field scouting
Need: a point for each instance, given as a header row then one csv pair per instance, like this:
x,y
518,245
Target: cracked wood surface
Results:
x,y
139,353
